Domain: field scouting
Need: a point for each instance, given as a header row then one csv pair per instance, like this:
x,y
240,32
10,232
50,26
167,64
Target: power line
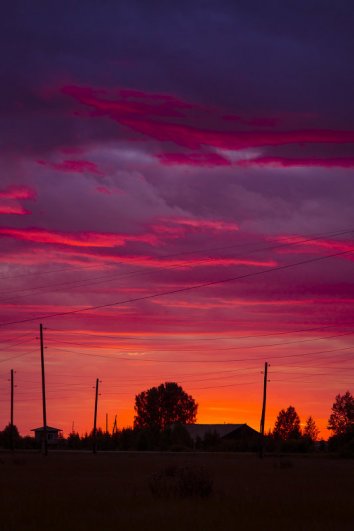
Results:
x,y
215,349
15,345
19,356
183,379
16,338
101,279
306,238
180,290
120,358
175,337
48,272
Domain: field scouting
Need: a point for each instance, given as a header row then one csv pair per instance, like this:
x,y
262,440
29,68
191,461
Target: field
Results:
x,y
111,491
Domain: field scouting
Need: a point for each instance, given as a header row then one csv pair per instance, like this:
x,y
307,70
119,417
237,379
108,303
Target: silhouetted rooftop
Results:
x,y
199,430
49,428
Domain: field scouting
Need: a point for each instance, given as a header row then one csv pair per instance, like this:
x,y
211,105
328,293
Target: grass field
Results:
x,y
110,491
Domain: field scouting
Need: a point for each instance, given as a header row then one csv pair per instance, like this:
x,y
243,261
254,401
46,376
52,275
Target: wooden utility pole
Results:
x,y
261,450
114,430
45,442
95,419
106,422
12,410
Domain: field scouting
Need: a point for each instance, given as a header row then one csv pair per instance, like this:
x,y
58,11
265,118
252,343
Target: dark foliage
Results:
x,y
342,416
10,437
287,425
311,432
162,406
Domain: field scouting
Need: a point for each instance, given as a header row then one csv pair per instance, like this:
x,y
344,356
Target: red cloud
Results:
x,y
18,192
73,166
128,103
331,245
82,239
148,119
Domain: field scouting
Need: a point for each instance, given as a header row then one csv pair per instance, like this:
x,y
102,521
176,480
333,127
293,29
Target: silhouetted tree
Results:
x,y
311,431
287,425
161,406
73,440
342,416
10,433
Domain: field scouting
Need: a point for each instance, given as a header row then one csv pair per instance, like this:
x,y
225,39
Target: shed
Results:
x,y
52,434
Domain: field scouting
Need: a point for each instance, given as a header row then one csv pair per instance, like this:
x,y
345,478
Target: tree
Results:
x,y
342,416
10,435
161,406
287,425
74,440
311,431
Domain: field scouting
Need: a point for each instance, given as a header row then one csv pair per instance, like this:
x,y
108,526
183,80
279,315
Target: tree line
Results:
x,y
161,413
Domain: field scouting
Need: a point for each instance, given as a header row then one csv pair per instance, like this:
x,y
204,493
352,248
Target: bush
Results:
x,y
181,482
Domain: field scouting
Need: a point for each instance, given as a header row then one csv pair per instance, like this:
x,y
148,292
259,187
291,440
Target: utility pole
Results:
x,y
95,419
114,430
12,410
106,422
261,449
45,442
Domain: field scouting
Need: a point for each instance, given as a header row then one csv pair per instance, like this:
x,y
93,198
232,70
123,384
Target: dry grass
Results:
x,y
111,492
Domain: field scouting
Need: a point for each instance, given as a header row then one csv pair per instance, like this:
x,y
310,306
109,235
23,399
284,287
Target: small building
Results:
x,y
52,435
224,431
237,437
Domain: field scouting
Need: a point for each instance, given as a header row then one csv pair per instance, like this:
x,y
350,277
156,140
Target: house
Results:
x,y
224,431
52,435
236,436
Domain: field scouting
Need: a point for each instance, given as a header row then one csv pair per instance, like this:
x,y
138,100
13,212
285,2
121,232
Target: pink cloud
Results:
x,y
193,159
14,209
178,227
282,162
211,224
109,191
18,192
207,159
73,166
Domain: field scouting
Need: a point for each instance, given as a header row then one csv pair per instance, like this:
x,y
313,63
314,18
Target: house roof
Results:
x,y
48,429
199,430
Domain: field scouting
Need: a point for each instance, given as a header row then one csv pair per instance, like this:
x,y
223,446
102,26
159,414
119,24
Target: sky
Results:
x,y
176,204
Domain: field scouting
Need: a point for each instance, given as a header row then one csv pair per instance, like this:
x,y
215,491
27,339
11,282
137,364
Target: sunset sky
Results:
x,y
149,147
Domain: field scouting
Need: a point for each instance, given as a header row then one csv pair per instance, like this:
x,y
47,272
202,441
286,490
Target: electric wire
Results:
x,y
180,290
